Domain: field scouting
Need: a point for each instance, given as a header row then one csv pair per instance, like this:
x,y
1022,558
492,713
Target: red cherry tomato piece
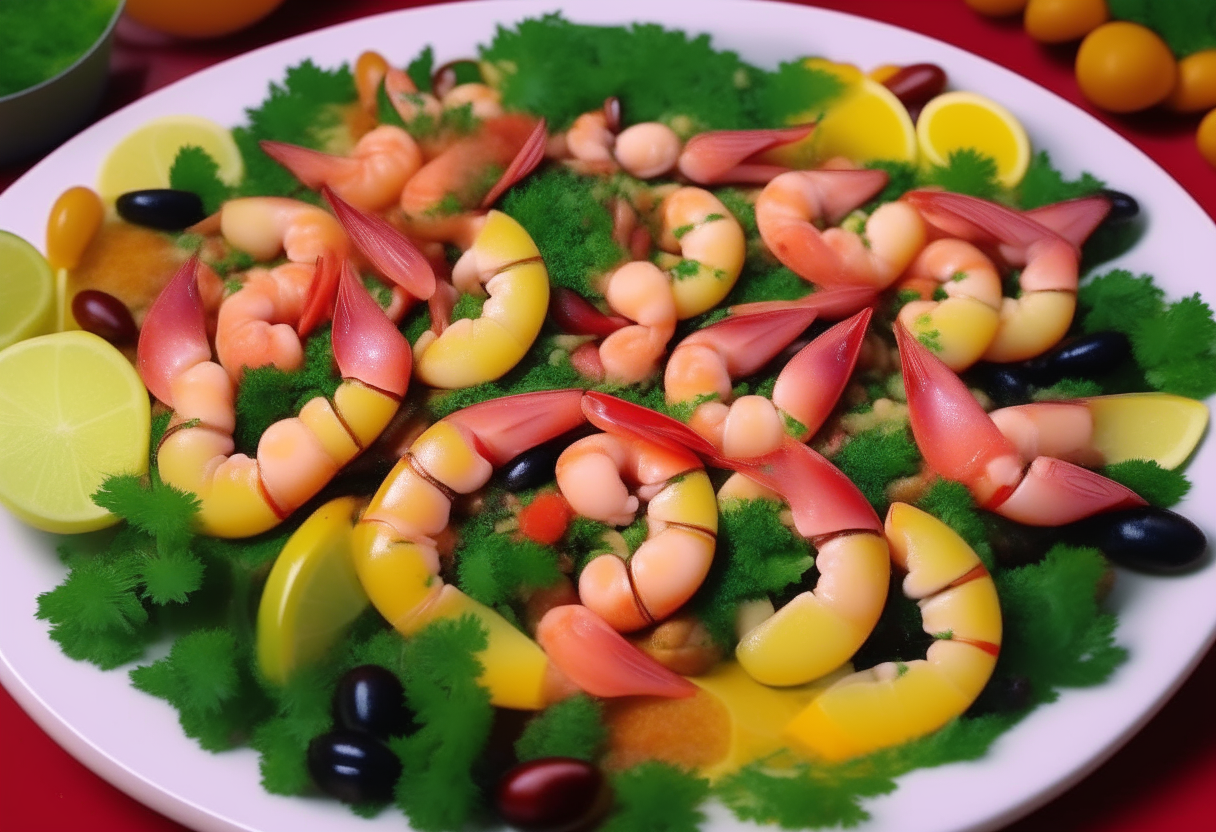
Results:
x,y
545,519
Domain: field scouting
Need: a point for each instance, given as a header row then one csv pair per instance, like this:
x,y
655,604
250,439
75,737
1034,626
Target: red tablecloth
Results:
x,y
1162,781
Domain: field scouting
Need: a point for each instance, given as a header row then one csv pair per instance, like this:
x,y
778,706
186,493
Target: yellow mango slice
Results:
x,y
1157,426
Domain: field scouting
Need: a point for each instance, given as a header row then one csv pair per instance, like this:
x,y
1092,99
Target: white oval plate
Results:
x,y
1167,624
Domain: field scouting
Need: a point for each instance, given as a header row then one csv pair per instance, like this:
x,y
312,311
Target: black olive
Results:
x,y
161,208
1148,539
1086,356
535,466
1005,383
353,767
1123,207
369,698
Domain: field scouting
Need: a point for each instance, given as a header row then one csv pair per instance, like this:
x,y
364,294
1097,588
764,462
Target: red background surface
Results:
x,y
1164,780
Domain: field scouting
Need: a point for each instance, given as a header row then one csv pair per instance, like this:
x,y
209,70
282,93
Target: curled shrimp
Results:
x,y
397,561
829,511
961,325
607,478
257,323
791,205
703,247
1039,317
442,199
238,495
894,702
269,226
370,178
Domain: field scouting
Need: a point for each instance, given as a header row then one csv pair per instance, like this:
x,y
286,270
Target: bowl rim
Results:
x,y
102,39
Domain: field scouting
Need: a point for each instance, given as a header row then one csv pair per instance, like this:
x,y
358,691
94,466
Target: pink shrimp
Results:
x,y
607,478
257,323
791,205
960,441
371,178
267,227
297,456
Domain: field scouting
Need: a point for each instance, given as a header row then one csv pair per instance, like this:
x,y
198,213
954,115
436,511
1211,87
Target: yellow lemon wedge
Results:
x,y
144,158
312,593
867,123
1157,426
956,120
72,412
27,291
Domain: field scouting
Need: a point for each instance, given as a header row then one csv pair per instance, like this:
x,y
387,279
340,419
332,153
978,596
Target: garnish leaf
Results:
x,y
573,727
874,457
194,170
1159,486
656,797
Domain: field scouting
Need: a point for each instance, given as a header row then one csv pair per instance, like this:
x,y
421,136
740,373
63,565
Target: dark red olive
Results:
x,y
612,113
916,84
552,794
103,314
452,74
353,767
1147,539
1086,356
369,698
164,209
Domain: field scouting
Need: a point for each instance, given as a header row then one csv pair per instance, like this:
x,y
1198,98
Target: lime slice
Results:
x,y
312,594
72,412
867,123
143,159
957,120
27,291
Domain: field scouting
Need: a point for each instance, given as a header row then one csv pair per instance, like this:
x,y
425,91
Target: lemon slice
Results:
x,y
143,159
312,594
72,412
1157,426
956,120
865,124
27,291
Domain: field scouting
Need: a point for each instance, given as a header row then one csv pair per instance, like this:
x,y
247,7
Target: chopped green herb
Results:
x,y
573,727
195,171
496,568
1159,486
967,171
874,457
656,797
1043,184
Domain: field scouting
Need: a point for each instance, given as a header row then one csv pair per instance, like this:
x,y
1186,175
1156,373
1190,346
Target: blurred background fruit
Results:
x,y
199,18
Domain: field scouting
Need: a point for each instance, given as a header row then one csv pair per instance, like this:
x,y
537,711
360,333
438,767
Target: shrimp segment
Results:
x,y
961,442
596,475
1036,321
297,456
395,552
269,226
789,207
257,323
505,264
892,703
729,155
370,178
963,324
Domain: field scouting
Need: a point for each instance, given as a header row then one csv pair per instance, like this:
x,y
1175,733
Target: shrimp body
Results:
x,y
370,178
791,205
606,478
239,495
269,226
504,264
257,323
894,702
962,325
394,545
704,248
438,199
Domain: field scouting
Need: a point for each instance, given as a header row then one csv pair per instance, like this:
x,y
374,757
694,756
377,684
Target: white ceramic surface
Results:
x,y
1166,624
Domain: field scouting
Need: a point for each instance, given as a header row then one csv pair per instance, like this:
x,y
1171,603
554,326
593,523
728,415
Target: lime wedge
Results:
x,y
1157,426
27,291
72,412
312,594
144,158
